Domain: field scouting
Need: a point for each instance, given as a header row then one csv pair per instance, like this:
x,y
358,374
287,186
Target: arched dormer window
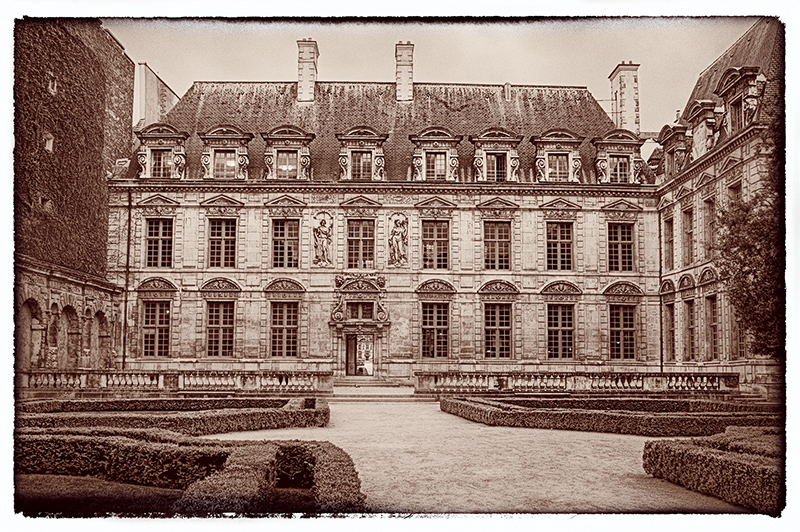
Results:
x,y
286,155
557,156
162,154
225,153
741,89
361,155
673,140
435,155
618,158
496,157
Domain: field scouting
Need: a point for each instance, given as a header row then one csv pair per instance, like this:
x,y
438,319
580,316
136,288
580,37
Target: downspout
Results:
x,y
127,277
660,299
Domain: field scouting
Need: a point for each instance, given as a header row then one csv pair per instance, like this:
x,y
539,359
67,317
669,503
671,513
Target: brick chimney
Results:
x,y
404,73
306,69
625,96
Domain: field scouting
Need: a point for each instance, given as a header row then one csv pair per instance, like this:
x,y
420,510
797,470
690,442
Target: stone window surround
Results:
x,y
361,138
496,140
287,138
618,142
161,136
435,140
225,137
557,142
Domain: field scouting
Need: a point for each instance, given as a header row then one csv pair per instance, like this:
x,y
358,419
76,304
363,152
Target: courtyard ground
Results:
x,y
414,458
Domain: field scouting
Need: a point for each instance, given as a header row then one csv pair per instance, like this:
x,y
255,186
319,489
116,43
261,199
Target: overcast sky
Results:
x,y
578,52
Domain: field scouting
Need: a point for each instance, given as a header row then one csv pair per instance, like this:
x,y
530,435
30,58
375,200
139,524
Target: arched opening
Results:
x,y
69,339
52,338
88,341
28,336
101,338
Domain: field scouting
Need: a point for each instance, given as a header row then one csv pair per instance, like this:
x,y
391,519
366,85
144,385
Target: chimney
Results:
x,y
404,72
625,96
306,69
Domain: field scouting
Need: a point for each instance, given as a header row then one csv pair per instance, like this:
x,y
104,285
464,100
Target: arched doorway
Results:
x,y
28,336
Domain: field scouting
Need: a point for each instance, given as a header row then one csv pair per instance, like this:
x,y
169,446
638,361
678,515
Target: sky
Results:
x,y
576,52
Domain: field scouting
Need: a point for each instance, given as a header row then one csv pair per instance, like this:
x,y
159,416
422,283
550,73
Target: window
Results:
x,y
688,237
497,330
287,165
362,165
159,243
360,311
360,243
735,192
558,166
622,332
161,161
669,328
285,243
738,338
620,247
690,342
222,244
559,331
225,164
284,329
736,116
559,246
669,245
709,231
155,328
220,328
435,165
495,166
434,329
712,327
497,245
620,168
435,245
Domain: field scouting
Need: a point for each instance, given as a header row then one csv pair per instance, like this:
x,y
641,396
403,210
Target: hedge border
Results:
x,y
750,480
491,412
127,405
640,404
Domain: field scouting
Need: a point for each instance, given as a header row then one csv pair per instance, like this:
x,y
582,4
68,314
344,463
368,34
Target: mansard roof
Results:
x,y
339,106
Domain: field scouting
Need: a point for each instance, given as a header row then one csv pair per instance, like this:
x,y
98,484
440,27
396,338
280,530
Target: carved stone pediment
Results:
x,y
560,288
435,207
623,288
378,281
435,289
667,287
360,206
220,288
222,205
156,283
498,290
498,208
686,282
157,200
285,206
284,289
708,276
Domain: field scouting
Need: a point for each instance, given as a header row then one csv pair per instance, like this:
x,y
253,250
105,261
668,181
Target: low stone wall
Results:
x,y
743,466
615,420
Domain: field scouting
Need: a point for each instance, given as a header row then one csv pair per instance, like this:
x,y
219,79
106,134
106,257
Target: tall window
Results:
x,y
559,246
560,326
620,168
222,243
622,331
620,247
159,243
497,330
220,328
287,165
224,164
690,341
284,329
435,244
738,337
285,243
712,327
155,328
434,329
161,161
360,243
688,237
360,310
669,245
362,165
435,165
497,245
710,229
495,166
558,167
736,116
735,192
669,329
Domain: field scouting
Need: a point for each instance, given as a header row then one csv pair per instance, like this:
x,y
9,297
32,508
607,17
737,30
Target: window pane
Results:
x,y
287,165
558,167
224,164
435,165
362,165
161,161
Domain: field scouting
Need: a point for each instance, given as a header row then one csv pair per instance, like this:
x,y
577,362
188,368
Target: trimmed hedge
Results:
x,y
752,480
640,405
194,422
146,405
620,422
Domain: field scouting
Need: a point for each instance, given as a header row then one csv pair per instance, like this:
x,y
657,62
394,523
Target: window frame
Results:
x,y
669,327
690,329
359,175
226,171
431,322
556,174
712,326
225,261
560,333
492,170
287,260
494,332
626,334
438,242
620,249
361,263
164,169
559,252
688,236
709,226
669,244
614,174
157,328
284,335
287,174
492,255
163,244
360,306
431,174
225,332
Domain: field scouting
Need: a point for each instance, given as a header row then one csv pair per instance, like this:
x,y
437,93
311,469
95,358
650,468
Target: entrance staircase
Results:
x,y
369,389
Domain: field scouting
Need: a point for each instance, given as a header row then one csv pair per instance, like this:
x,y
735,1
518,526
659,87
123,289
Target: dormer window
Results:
x,y
162,153
225,153
496,157
735,115
557,156
675,141
435,155
741,90
619,168
287,154
618,158
361,155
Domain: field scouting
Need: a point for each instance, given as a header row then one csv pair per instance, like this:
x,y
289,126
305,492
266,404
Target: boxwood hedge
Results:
x,y
148,405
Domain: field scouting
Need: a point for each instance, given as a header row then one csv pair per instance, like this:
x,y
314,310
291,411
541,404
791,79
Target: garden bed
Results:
x,y
744,466
620,416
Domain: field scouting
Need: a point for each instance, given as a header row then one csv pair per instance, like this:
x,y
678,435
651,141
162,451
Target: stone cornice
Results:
x,y
62,273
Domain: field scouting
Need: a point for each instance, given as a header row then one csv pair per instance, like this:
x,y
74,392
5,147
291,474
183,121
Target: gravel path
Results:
x,y
414,458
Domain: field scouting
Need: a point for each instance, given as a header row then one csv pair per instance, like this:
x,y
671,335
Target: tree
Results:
x,y
751,257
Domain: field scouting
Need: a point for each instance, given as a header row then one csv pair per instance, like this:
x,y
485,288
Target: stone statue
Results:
x,y
322,242
398,242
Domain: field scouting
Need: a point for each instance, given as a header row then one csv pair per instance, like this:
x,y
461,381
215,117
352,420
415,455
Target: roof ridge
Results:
x,y
441,83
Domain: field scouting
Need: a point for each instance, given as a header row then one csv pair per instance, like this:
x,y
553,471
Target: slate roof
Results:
x,y
466,109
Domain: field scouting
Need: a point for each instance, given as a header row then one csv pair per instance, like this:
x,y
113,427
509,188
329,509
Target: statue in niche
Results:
x,y
322,240
398,241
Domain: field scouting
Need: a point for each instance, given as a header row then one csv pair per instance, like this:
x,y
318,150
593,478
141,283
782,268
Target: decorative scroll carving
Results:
x,y
638,166
220,288
205,163
141,158
560,288
601,165
576,169
244,162
454,167
621,215
157,284
305,166
561,215
416,165
158,210
498,290
380,162
378,280
477,162
540,169
623,288
179,162
284,285
269,160
398,240
323,236
514,163
435,289
343,160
